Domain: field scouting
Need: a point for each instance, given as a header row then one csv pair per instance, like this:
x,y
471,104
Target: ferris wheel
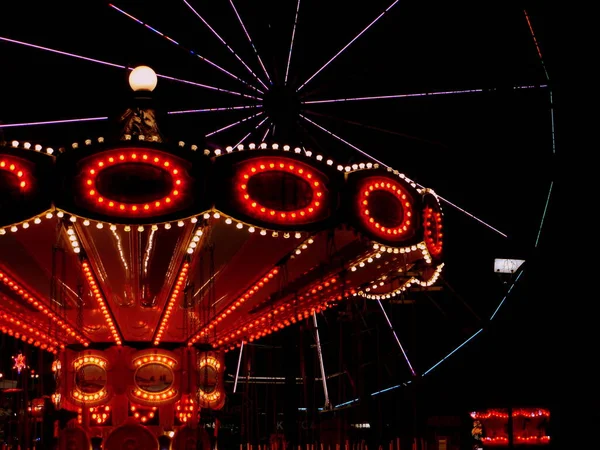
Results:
x,y
442,100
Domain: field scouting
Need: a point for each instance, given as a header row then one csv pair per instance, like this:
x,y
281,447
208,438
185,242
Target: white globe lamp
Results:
x,y
143,78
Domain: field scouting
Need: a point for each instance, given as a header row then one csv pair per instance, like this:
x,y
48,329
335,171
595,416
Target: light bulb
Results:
x,y
143,78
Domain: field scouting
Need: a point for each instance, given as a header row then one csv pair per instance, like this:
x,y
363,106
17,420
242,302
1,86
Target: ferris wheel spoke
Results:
x,y
225,44
51,122
239,18
241,141
205,86
452,352
467,213
456,295
226,108
552,127
120,66
308,136
362,152
339,138
233,124
421,94
289,60
543,219
537,46
192,52
513,284
348,44
389,97
389,322
60,52
374,128
267,132
92,119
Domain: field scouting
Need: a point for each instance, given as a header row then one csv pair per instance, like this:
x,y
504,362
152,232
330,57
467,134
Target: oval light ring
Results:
x,y
385,208
164,203
20,178
307,205
12,169
432,225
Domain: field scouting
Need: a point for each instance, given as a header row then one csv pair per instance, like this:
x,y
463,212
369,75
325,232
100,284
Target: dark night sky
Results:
x,y
490,153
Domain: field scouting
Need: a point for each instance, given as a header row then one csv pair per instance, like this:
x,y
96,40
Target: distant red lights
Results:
x,y
529,426
8,165
93,170
503,413
503,441
302,212
372,220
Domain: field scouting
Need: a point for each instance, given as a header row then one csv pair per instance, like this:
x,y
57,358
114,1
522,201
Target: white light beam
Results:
x,y
237,371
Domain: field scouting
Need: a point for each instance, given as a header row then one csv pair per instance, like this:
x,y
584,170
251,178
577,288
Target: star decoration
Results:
x,y
19,362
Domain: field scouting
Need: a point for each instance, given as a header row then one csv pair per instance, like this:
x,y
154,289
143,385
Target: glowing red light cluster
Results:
x,y
292,167
138,156
184,409
403,199
234,305
179,285
15,169
143,414
503,414
20,330
91,279
83,397
152,358
100,415
62,323
527,432
317,298
155,398
432,222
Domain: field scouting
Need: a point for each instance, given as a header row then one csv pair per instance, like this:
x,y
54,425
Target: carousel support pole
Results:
x,y
237,371
389,322
292,367
416,441
26,441
308,373
321,363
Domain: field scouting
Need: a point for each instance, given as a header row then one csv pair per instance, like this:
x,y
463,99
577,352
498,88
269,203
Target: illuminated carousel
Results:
x,y
166,255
